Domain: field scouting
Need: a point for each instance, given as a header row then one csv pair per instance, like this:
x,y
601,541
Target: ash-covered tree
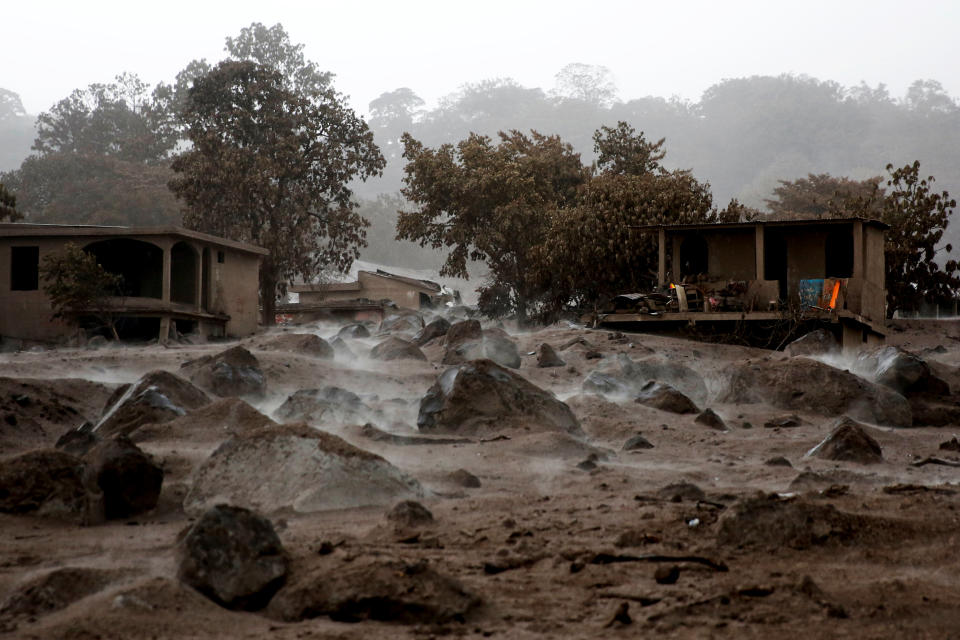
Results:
x,y
270,164
79,288
8,205
593,249
917,216
490,202
590,83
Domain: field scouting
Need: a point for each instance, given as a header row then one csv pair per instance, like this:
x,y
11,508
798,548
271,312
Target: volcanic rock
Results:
x,y
45,483
802,384
950,445
158,397
482,397
900,370
409,514
547,357
234,372
783,422
778,461
819,342
355,330
212,423
464,331
327,404
297,468
681,491
849,442
128,478
53,591
709,417
407,323
307,344
494,344
627,377
78,441
394,348
465,479
637,442
664,397
374,590
342,349
234,557
434,329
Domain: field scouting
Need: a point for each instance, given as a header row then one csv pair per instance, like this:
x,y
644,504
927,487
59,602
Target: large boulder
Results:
x,y
210,424
234,557
493,344
480,396
665,398
341,349
899,370
626,377
547,356
308,344
394,348
374,590
434,329
464,331
406,323
158,397
802,384
46,483
769,521
324,405
818,342
355,330
128,478
231,373
848,442
299,468
53,591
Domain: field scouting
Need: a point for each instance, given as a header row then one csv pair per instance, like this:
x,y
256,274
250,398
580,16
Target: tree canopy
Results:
x,y
79,288
8,205
271,165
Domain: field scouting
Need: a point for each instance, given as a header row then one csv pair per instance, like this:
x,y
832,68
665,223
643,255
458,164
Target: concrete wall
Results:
x,y
26,315
732,254
235,289
805,257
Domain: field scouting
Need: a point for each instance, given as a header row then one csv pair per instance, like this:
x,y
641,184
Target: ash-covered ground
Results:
x,y
424,490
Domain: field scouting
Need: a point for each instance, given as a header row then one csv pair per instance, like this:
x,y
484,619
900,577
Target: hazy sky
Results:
x,y
48,48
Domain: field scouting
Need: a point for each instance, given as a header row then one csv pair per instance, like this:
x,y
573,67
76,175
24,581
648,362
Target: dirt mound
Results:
x,y
303,343
234,372
626,377
45,483
35,413
665,398
709,418
214,422
553,444
158,397
410,514
819,342
848,442
801,384
297,468
234,557
771,522
482,397
373,590
547,356
325,405
394,348
493,344
52,592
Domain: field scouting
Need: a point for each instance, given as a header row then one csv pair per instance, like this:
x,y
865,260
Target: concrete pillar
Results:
x,y
758,231
198,279
858,269
165,295
662,258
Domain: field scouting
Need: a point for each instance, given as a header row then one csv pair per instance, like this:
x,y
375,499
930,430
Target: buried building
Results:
x,y
828,271
172,278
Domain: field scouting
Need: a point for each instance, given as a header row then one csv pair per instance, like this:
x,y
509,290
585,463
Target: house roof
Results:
x,y
425,285
709,226
32,230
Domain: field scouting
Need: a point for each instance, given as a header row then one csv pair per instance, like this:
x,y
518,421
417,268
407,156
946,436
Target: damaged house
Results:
x,y
830,271
173,278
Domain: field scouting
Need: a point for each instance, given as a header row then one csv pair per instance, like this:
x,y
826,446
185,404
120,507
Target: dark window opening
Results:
x,y
838,251
139,263
694,258
775,260
205,284
24,268
183,274
220,257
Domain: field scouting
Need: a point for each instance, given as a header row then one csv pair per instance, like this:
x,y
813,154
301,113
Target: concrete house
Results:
x,y
375,286
172,277
832,270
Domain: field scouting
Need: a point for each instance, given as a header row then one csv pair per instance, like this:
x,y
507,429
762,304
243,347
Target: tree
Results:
x,y
822,195
588,82
8,205
489,202
271,165
621,151
79,288
917,216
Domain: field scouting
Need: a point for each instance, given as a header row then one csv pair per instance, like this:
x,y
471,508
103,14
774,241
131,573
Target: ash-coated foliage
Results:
x,y
8,205
78,287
